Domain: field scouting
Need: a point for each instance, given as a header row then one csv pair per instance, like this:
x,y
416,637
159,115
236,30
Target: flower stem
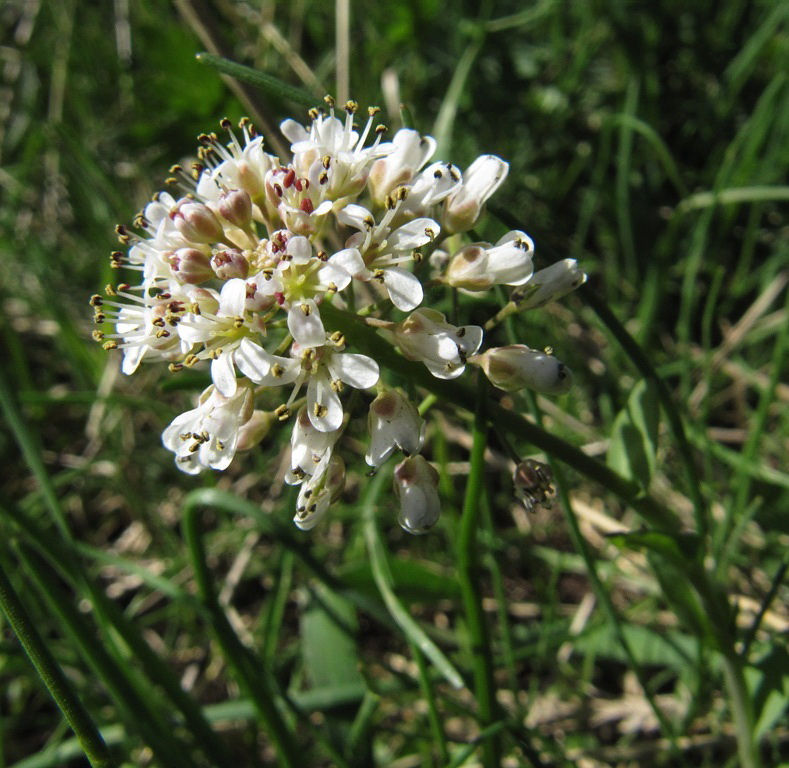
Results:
x,y
59,687
468,572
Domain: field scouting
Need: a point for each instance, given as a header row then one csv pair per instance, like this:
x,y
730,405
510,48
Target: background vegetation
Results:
x,y
649,140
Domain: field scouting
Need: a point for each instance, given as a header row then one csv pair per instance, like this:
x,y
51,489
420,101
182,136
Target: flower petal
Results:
x,y
405,289
358,371
304,323
223,373
323,404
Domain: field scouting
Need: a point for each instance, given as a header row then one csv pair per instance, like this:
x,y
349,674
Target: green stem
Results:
x,y
742,711
468,576
59,687
249,671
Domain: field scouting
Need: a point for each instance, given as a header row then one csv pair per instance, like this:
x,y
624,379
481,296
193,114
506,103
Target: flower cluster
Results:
x,y
234,273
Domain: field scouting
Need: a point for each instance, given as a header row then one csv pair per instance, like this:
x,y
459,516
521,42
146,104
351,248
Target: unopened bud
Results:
x,y
517,366
464,207
394,423
196,221
255,430
416,486
235,205
479,266
191,266
230,263
549,284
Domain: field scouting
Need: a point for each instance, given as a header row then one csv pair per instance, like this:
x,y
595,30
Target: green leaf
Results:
x,y
328,629
634,435
266,83
768,679
680,548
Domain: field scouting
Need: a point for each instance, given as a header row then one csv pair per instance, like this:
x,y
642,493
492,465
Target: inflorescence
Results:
x,y
234,273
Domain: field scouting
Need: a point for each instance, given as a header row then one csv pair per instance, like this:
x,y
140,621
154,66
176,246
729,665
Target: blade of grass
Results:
x,y
60,555
383,579
137,711
52,675
248,670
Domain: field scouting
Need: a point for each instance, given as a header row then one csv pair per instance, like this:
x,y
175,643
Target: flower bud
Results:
x,y
463,208
191,266
425,335
549,284
196,221
394,423
230,263
416,486
255,430
516,366
478,266
235,205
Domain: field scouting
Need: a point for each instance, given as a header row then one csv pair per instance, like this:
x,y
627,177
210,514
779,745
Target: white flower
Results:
x,y
308,446
235,166
384,250
394,422
425,335
516,366
463,208
147,327
410,152
416,486
207,436
320,491
550,284
334,147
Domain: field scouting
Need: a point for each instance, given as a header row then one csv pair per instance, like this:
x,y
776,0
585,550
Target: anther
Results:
x,y
96,300
97,335
225,124
351,107
319,410
282,412
108,345
175,367
306,309
329,101
191,360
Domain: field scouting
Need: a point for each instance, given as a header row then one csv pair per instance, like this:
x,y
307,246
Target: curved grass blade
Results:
x,y
383,579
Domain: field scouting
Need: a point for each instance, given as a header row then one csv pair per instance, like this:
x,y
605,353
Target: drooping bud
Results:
x,y
235,205
196,221
479,266
463,208
416,486
549,284
394,423
517,366
230,263
425,335
191,266
532,481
